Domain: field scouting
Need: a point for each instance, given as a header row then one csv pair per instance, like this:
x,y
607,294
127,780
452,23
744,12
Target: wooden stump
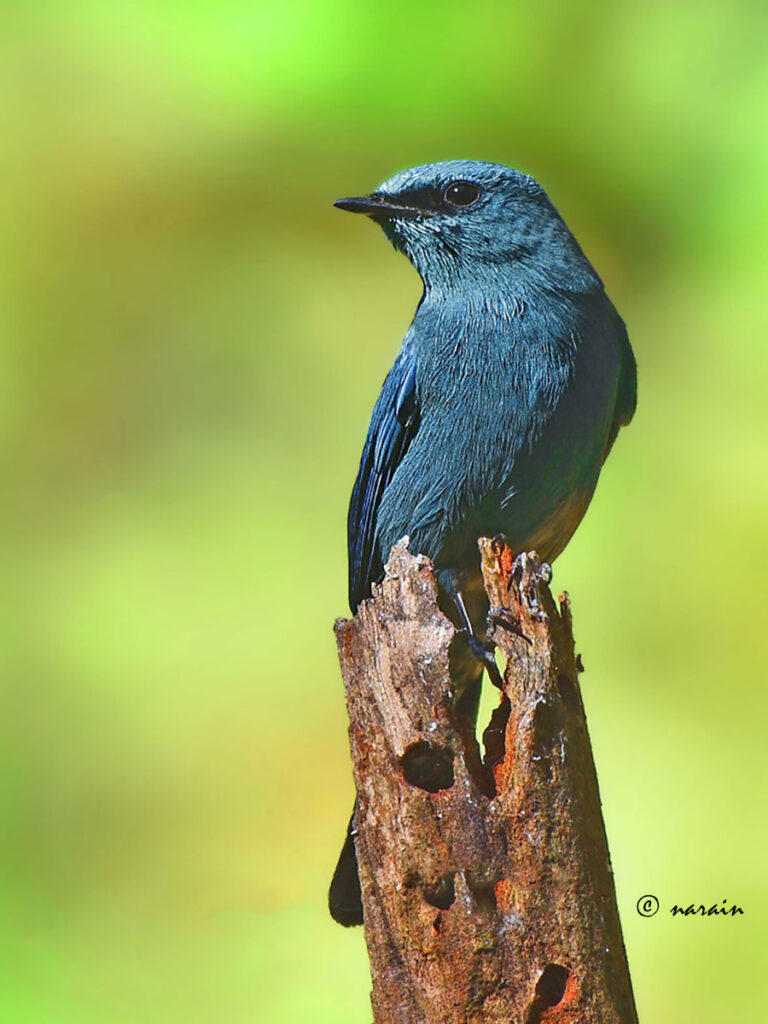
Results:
x,y
487,887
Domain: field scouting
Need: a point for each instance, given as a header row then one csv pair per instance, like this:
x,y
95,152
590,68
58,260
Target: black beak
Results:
x,y
378,207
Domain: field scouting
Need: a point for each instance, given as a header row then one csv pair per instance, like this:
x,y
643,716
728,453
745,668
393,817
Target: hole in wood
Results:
x,y
484,893
428,766
495,733
550,987
442,894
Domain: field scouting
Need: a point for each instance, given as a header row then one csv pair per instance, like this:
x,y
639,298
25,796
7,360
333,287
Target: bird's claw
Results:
x,y
482,651
505,618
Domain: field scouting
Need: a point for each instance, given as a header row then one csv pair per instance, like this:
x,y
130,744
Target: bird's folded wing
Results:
x,y
393,426
626,391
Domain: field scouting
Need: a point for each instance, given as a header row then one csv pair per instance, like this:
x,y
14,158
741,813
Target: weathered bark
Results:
x,y
487,889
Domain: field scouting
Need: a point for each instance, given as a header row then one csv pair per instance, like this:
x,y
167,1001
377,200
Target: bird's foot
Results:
x,y
482,651
505,618
516,579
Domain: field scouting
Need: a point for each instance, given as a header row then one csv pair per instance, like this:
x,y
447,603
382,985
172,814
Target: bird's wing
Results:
x,y
393,426
626,393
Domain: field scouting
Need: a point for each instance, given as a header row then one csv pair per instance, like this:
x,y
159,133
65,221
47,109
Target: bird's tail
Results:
x,y
345,901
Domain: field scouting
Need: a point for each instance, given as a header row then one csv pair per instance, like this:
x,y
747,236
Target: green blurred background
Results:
x,y
193,342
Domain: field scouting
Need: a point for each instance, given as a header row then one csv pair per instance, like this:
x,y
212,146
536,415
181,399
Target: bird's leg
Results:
x,y
482,650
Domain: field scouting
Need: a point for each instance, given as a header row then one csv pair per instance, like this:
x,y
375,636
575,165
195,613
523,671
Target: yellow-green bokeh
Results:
x,y
193,341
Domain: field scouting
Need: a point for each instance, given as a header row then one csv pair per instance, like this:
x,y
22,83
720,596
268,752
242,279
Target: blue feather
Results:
x,y
510,386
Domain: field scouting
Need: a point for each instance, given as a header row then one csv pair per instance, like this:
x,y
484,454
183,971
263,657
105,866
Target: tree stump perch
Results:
x,y
487,887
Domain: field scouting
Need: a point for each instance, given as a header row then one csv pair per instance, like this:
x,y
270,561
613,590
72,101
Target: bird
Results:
x,y
503,402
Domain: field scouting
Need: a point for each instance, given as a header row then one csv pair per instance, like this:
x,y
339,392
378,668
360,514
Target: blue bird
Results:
x,y
501,406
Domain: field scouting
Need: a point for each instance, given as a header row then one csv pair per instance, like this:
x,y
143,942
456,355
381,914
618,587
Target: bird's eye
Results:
x,y
461,193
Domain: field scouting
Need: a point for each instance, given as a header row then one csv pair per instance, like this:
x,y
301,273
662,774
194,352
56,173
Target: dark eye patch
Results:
x,y
430,199
425,198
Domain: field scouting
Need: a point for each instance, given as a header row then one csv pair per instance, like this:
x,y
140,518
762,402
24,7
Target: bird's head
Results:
x,y
465,222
